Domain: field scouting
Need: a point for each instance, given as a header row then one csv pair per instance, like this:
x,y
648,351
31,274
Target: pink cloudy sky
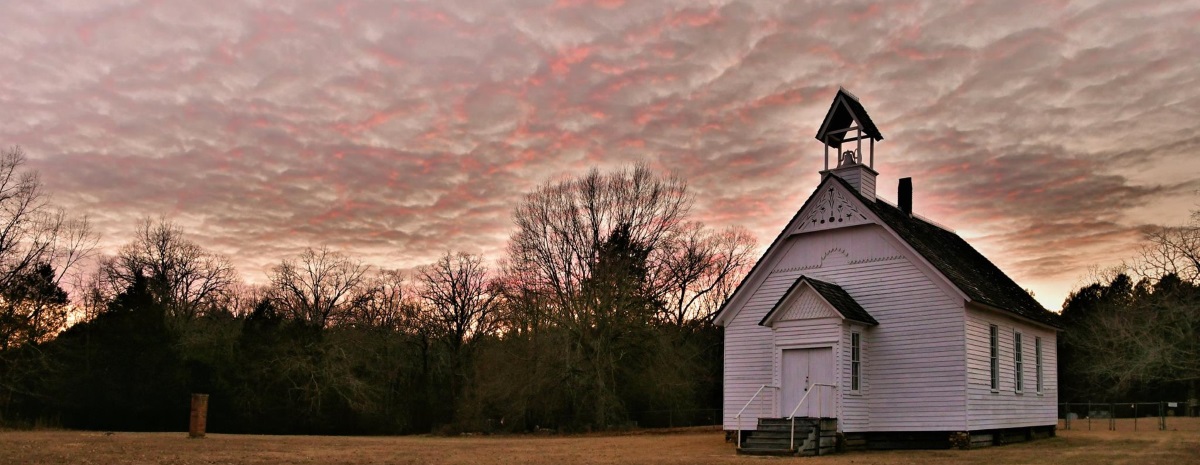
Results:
x,y
1046,133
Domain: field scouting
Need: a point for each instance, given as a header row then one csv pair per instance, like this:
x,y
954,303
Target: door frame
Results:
x,y
777,375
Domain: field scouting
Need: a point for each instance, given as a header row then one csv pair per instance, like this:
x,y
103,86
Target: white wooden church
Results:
x,y
892,328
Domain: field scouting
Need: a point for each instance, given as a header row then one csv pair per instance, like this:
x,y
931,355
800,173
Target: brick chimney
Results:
x,y
904,196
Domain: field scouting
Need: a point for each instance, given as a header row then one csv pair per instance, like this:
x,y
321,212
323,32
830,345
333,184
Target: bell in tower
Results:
x,y
845,127
848,159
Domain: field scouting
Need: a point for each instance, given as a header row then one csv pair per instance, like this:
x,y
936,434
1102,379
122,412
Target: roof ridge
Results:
x,y
919,216
848,93
967,269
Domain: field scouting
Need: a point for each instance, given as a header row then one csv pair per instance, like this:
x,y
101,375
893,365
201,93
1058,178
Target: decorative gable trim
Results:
x,y
830,209
807,305
762,268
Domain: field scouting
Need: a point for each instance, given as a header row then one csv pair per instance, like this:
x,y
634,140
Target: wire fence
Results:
x,y
1133,415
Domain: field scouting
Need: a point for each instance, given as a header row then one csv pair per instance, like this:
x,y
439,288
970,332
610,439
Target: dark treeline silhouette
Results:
x,y
1134,334
599,317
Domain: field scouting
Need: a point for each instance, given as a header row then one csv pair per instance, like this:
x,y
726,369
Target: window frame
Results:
x,y
1018,363
994,356
1037,347
856,362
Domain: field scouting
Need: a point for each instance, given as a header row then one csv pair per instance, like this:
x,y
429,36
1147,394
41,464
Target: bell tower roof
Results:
x,y
846,114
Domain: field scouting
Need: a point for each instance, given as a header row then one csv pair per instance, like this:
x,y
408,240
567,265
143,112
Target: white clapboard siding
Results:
x,y
920,331
748,366
1005,408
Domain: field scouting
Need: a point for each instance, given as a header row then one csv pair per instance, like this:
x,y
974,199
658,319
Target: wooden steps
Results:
x,y
774,437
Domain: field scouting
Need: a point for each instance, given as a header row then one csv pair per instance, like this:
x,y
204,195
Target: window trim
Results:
x,y
994,356
856,362
1037,346
1018,363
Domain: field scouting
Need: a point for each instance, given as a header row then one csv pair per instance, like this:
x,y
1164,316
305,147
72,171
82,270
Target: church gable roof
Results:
x,y
832,294
967,269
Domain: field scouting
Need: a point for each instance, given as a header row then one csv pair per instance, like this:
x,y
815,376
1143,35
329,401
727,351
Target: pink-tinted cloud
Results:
x,y
1047,133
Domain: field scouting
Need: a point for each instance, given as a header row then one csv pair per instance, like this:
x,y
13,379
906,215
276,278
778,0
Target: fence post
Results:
x,y
1089,415
1161,420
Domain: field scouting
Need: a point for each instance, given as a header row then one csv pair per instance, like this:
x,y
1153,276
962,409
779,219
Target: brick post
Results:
x,y
199,418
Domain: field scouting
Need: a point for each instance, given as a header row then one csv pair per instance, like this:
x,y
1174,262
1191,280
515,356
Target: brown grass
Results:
x,y
1076,447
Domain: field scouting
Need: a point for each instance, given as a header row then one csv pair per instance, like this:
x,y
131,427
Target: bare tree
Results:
x,y
39,245
33,306
462,300
562,226
1171,250
462,297
318,286
184,278
386,301
592,251
33,232
23,238
242,298
701,267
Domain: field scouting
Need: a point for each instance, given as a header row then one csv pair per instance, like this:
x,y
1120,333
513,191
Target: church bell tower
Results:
x,y
845,127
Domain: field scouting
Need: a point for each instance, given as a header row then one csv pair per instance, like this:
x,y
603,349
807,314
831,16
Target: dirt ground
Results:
x,y
695,446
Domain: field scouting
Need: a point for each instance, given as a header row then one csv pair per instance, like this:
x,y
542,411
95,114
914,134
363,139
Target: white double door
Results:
x,y
799,371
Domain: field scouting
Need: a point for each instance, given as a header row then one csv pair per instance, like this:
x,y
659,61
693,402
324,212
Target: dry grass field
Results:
x,y
1076,447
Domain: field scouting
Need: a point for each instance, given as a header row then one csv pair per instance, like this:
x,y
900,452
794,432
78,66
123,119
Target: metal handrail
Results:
x,y
814,387
738,417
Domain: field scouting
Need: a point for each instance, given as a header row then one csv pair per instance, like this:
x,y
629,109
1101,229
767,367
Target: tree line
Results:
x,y
598,317
1133,334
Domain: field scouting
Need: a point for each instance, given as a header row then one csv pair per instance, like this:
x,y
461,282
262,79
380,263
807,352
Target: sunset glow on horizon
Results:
x,y
1049,136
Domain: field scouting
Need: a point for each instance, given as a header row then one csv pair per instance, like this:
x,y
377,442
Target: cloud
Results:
x,y
1048,135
